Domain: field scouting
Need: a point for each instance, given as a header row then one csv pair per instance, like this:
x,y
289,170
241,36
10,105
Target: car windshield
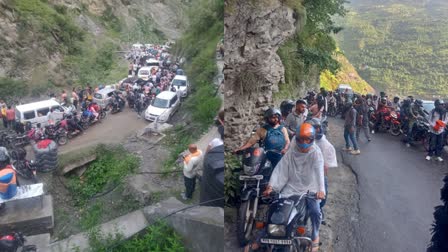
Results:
x,y
161,103
429,106
144,72
179,83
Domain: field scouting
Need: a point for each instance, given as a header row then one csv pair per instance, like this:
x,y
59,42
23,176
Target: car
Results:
x,y
37,112
152,62
180,82
428,106
163,107
103,96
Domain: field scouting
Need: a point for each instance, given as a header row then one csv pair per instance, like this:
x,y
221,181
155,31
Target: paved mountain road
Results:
x,y
398,191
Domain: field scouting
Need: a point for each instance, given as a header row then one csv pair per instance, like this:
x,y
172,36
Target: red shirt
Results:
x,y
10,114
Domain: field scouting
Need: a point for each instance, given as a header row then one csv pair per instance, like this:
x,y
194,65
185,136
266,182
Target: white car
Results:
x,y
164,106
180,82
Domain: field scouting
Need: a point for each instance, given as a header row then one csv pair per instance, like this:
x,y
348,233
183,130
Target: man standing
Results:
x,y
349,130
75,98
438,121
3,113
191,162
10,117
297,117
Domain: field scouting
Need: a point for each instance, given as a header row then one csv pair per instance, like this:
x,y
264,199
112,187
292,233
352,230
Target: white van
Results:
x,y
145,73
37,112
152,62
180,82
163,107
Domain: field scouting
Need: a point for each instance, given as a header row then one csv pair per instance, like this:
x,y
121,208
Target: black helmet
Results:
x,y
4,157
419,102
286,107
302,101
271,112
438,102
382,94
396,99
383,100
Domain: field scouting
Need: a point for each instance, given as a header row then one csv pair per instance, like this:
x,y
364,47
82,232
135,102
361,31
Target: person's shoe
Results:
x,y
369,139
428,158
373,132
439,159
347,149
408,145
184,197
355,152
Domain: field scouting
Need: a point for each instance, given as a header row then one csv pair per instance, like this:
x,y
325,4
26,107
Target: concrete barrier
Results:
x,y
202,228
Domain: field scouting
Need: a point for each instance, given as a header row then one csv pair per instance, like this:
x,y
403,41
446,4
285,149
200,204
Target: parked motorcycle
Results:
x,y
57,133
390,122
256,171
287,220
23,167
421,132
13,241
333,110
115,105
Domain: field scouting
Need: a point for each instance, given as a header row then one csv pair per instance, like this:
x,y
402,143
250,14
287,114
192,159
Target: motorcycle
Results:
x,y
420,132
13,241
87,119
115,105
287,219
256,174
57,133
73,126
26,168
390,122
333,110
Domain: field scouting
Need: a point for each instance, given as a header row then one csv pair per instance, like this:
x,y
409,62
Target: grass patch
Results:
x,y
111,166
91,216
157,237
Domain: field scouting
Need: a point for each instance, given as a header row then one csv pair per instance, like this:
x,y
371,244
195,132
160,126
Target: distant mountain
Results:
x,y
400,46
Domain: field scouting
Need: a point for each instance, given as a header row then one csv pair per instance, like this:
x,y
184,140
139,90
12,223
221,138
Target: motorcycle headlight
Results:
x,y
276,230
251,170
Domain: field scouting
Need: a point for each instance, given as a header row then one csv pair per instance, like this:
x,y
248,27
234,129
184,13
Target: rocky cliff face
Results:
x,y
253,70
23,52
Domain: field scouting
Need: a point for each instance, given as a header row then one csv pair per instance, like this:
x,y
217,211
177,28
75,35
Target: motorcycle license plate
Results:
x,y
276,242
256,177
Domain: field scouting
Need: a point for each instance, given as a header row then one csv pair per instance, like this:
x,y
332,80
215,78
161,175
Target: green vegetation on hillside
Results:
x,y
312,50
399,46
346,75
49,24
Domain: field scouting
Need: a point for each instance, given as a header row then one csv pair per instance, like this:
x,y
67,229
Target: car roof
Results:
x,y
105,90
180,77
147,68
37,105
166,95
344,86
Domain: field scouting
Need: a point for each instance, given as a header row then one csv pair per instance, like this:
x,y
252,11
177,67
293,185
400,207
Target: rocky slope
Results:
x,y
37,36
252,67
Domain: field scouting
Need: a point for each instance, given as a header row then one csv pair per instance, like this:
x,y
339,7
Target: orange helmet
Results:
x,y
305,132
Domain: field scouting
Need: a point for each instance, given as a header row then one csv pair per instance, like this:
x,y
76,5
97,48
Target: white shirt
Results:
x,y
189,169
328,152
215,142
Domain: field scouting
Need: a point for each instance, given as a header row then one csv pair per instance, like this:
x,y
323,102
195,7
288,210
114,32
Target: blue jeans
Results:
x,y
323,201
351,135
435,145
315,215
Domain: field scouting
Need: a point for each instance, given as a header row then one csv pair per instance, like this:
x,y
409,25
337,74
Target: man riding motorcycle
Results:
x,y
273,134
414,111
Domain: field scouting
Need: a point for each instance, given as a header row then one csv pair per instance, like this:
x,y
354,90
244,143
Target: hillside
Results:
x,y
56,43
347,74
400,46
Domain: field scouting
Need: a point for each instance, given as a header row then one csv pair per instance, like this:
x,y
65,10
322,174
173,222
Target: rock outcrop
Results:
x,y
253,70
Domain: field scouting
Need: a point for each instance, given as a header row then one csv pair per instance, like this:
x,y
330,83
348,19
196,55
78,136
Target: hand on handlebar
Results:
x,y
320,195
267,191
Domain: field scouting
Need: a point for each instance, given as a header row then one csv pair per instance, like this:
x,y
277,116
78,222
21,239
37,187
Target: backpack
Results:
x,y
274,140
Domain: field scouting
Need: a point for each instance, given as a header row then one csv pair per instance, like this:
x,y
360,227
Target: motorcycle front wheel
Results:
x,y
245,221
62,140
102,115
395,130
